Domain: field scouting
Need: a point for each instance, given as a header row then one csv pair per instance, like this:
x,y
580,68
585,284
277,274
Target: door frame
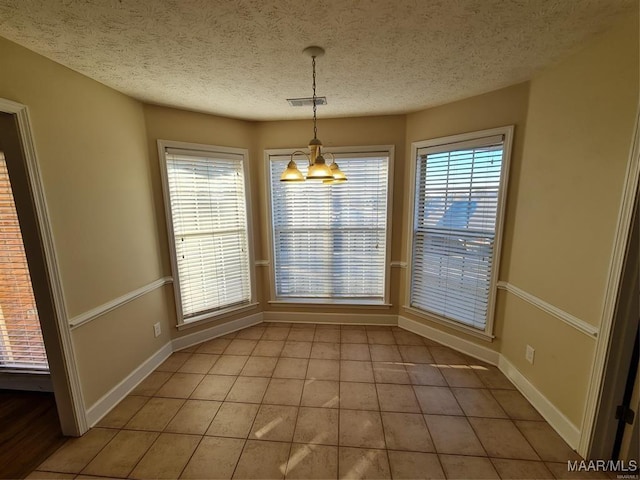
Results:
x,y
57,337
599,394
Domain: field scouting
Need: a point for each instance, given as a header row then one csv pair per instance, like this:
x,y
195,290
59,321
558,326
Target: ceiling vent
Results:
x,y
306,102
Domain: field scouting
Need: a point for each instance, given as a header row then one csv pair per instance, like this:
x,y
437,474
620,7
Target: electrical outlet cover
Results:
x,y
530,354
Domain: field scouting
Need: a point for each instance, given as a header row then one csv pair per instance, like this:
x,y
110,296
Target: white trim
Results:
x,y
461,327
72,413
507,147
244,153
410,220
556,419
388,150
100,310
622,236
389,226
262,263
110,399
266,199
330,303
216,315
465,346
331,318
590,330
398,264
217,331
507,133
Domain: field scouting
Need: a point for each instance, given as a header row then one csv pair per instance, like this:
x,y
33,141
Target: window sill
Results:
x,y
432,317
331,303
217,315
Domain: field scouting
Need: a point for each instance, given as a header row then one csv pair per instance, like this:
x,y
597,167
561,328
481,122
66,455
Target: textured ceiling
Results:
x,y
242,58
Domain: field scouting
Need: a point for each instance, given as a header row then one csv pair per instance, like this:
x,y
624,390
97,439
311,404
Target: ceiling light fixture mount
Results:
x,y
318,168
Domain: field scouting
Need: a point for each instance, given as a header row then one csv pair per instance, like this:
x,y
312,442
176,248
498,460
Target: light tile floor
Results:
x,y
318,401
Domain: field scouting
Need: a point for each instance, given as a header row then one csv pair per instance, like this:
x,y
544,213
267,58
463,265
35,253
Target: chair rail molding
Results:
x,y
584,327
398,264
100,310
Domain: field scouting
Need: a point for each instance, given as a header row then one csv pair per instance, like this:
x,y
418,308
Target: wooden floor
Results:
x,y
29,431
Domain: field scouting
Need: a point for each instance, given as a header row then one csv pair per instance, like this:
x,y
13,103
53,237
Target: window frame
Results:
x,y
507,133
225,311
388,150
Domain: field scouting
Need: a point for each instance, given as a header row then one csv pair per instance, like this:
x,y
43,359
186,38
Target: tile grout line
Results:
x,y
174,416
375,387
529,443
260,406
422,416
123,428
340,405
212,419
295,423
244,445
220,355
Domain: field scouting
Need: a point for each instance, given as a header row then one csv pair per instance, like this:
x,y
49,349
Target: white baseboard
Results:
x,y
99,409
217,331
558,421
332,318
453,341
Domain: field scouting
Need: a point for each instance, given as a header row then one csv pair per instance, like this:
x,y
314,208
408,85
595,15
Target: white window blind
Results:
x,y
330,241
209,218
21,344
456,207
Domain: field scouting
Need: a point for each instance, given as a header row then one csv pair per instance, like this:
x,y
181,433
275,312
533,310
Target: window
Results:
x,y
460,184
206,205
21,344
330,241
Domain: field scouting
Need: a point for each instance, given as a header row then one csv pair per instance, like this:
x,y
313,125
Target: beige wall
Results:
x,y
507,106
579,129
92,151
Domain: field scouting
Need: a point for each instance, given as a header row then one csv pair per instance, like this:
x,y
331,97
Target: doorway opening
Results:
x,y
40,395
21,344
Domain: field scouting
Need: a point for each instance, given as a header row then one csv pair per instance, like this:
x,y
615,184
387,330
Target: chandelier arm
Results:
x,y
333,158
303,153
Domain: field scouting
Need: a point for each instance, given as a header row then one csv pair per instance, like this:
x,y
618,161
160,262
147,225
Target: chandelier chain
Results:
x,y
315,128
